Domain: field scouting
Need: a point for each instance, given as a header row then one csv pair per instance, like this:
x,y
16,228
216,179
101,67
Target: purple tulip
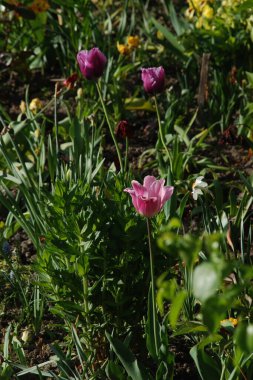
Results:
x,y
149,198
91,62
153,79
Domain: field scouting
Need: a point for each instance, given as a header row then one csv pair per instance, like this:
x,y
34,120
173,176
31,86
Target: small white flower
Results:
x,y
196,187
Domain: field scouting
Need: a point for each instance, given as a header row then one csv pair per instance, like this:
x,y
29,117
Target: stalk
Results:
x,y
126,154
110,127
152,285
161,137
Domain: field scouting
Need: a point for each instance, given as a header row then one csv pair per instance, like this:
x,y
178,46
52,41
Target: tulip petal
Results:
x,y
138,188
148,180
147,206
166,194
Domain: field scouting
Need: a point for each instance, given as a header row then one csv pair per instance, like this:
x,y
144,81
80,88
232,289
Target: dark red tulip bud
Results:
x,y
92,63
124,129
153,79
70,81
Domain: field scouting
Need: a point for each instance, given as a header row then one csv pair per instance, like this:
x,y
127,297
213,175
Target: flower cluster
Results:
x,y
131,44
203,11
211,14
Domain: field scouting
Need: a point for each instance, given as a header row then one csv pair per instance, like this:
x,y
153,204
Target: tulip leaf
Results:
x,y
169,36
207,367
127,359
152,327
133,104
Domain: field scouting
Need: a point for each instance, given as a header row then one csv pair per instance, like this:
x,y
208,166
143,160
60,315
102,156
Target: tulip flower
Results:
x,y
149,198
153,79
92,63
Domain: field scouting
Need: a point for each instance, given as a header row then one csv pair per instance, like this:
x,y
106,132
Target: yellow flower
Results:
x,y
35,105
234,321
22,107
159,35
123,49
189,13
207,12
37,133
197,4
133,41
1,224
199,23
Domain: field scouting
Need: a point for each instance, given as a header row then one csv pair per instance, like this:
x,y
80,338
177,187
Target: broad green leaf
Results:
x,y
207,367
176,307
206,281
133,104
190,328
127,359
244,337
114,371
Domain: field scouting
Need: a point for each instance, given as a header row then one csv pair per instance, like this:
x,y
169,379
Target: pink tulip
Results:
x,y
91,62
149,198
153,79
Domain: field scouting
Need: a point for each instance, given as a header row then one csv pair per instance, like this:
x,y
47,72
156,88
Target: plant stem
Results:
x,y
161,131
55,119
126,155
152,285
110,127
85,297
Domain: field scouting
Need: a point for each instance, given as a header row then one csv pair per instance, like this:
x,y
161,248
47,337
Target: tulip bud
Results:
x,y
92,63
124,130
153,79
70,81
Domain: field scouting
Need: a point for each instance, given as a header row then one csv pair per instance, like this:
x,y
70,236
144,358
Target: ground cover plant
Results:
x,y
126,190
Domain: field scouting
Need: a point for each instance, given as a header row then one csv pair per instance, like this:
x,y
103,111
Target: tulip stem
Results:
x,y
161,131
152,285
110,126
126,155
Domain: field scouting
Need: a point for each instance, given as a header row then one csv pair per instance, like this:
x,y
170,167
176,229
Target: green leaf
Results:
x,y
214,310
190,327
133,104
207,367
150,338
176,307
170,37
162,372
114,371
250,78
206,281
178,25
127,359
244,337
